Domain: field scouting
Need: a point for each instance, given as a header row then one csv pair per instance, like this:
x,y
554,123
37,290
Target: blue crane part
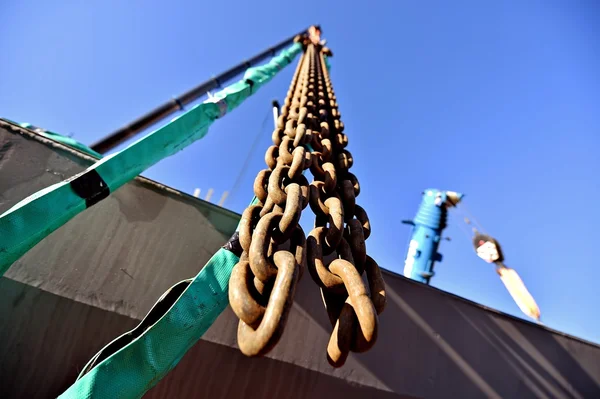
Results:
x,y
427,233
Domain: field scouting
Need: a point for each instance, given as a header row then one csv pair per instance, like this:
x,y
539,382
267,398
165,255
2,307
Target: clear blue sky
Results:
x,y
499,100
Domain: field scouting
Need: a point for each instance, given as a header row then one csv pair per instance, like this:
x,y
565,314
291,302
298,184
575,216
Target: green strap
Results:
x,y
62,139
327,63
133,370
71,142
29,221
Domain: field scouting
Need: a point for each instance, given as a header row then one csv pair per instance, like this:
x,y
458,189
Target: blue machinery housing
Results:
x,y
427,232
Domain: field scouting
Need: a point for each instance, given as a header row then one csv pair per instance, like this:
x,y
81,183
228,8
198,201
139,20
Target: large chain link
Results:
x,y
275,249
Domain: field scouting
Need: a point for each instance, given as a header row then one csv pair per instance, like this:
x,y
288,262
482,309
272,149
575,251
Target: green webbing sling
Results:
x,y
57,137
327,63
32,219
137,367
63,139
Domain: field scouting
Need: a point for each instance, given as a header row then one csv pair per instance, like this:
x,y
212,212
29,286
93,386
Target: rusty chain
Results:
x,y
275,248
263,282
336,249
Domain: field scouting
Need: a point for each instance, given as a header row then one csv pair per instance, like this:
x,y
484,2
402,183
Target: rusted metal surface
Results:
x,y
258,341
243,300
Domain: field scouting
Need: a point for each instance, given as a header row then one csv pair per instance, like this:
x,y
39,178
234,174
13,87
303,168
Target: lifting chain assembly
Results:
x,y
309,135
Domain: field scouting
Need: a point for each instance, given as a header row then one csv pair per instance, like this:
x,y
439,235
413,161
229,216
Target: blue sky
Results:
x,y
498,100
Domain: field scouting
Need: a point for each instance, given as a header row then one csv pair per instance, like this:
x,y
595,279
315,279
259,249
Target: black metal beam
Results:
x,y
176,104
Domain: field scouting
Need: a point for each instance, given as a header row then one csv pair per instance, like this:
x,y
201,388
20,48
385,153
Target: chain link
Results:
x,y
263,283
